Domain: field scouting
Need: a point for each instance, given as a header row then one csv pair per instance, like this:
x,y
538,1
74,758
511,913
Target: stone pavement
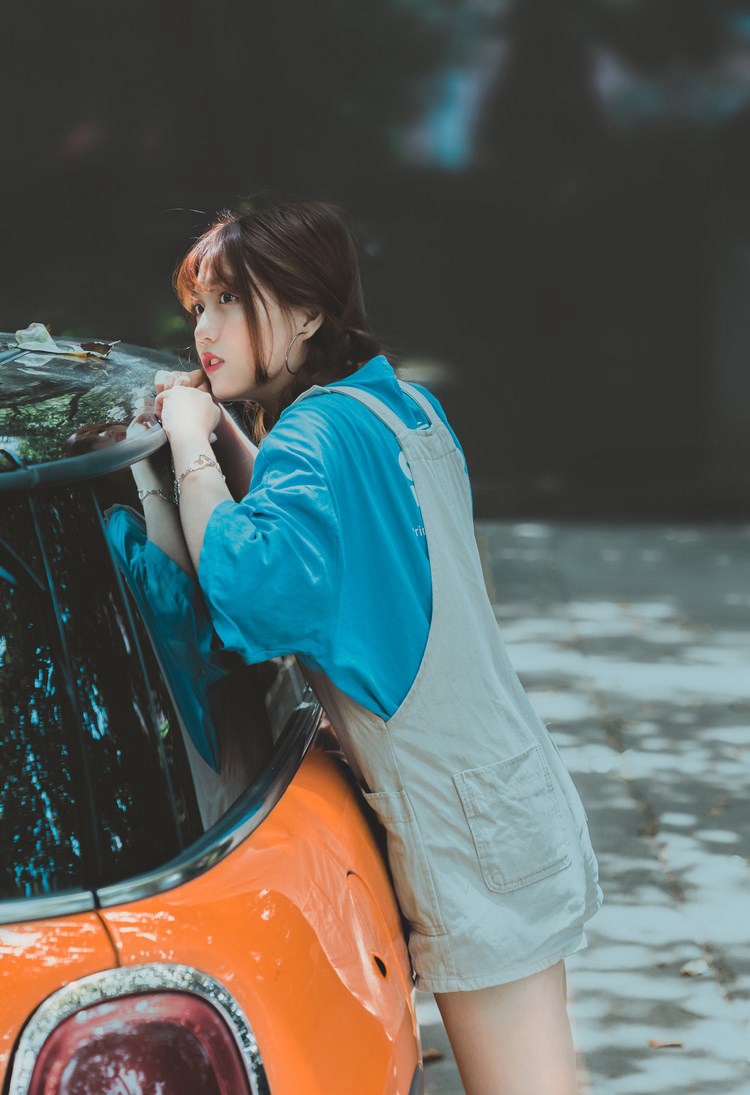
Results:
x,y
633,642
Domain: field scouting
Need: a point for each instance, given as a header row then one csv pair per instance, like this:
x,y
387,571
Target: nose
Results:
x,y
204,329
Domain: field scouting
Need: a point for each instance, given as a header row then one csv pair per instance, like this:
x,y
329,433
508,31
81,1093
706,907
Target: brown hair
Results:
x,y
304,253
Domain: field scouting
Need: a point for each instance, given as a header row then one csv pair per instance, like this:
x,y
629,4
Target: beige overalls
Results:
x,y
487,837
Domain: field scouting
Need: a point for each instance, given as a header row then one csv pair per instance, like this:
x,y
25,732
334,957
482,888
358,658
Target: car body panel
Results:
x,y
328,909
39,957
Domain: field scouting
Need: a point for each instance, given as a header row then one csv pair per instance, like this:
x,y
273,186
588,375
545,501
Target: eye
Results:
x,y
197,309
224,294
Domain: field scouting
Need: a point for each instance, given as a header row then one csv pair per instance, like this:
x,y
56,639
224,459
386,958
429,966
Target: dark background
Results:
x,y
552,200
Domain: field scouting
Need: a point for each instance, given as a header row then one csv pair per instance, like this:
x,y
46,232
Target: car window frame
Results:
x,y
88,465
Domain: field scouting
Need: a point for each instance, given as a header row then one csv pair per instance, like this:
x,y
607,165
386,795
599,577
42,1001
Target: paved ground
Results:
x,y
634,644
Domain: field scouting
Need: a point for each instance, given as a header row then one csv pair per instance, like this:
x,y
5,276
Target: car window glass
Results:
x,y
136,771
43,847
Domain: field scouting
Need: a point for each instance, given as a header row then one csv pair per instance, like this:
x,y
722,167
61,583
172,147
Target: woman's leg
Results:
x,y
513,1039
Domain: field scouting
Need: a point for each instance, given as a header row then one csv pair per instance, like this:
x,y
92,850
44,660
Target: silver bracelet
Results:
x,y
142,494
201,463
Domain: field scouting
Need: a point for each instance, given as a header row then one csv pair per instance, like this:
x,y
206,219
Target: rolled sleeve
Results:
x,y
268,565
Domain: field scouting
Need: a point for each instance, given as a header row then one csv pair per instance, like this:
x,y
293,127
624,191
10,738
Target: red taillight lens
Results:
x,y
163,1043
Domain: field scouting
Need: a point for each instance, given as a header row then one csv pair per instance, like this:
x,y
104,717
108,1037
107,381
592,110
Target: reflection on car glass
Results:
x,y
42,851
285,694
7,454
20,568
35,361
179,625
219,699
134,769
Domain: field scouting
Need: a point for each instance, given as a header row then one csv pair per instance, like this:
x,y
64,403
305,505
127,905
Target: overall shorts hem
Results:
x,y
428,983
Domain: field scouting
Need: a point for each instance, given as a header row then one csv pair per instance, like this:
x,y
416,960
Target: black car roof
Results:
x,y
45,398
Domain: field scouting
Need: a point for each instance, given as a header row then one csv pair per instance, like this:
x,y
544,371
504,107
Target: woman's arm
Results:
x,y
163,526
189,417
236,453
234,449
201,490
153,477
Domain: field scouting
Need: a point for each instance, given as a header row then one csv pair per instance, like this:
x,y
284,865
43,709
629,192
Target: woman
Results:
x,y
353,548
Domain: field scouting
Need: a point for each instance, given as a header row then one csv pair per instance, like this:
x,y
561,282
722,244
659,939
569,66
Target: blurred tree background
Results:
x,y
550,197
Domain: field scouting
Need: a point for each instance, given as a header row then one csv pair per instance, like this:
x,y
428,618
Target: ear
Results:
x,y
311,323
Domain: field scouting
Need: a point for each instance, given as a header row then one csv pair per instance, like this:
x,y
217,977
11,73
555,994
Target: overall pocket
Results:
x,y
515,820
407,857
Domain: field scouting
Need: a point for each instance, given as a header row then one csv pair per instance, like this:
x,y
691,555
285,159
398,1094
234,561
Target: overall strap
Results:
x,y
385,414
414,393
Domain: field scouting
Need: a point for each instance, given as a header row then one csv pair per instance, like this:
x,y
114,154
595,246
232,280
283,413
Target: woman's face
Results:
x,y
222,341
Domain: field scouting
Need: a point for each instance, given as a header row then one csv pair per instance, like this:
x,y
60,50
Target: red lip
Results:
x,y
206,360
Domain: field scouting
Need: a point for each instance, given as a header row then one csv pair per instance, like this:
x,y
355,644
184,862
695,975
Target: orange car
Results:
x,y
193,897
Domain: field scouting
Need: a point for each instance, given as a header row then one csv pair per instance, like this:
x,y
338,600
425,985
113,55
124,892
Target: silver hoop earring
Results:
x,y
286,359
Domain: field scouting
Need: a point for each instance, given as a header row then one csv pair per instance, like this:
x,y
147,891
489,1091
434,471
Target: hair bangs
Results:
x,y
212,260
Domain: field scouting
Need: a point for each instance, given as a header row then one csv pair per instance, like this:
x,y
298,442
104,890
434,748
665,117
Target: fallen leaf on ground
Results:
x,y
656,1044
432,1054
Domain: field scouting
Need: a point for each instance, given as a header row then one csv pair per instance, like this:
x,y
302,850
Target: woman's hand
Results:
x,y
147,473
166,379
184,410
232,447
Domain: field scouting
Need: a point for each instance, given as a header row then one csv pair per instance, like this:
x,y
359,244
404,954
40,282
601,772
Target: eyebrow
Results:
x,y
210,287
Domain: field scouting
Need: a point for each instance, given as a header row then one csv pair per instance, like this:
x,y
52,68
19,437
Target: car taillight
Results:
x,y
155,1043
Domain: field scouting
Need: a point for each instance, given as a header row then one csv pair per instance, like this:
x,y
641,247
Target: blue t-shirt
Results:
x,y
326,555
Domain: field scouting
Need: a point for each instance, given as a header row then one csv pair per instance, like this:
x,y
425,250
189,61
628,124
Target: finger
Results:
x,y
168,378
197,377
163,380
